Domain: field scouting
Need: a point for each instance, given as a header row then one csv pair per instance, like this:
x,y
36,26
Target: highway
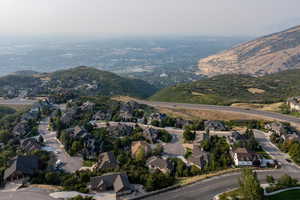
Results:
x,y
255,113
17,101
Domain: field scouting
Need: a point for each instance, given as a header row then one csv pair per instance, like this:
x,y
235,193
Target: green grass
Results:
x,y
228,89
288,195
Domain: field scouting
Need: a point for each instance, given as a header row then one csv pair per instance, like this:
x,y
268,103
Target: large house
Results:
x,y
294,103
243,157
30,144
214,125
22,167
112,181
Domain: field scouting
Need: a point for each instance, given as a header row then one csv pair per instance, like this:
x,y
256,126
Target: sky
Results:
x,y
147,17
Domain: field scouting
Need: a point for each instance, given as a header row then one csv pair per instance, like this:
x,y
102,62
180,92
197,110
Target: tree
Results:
x,y
140,154
41,139
188,135
76,147
250,186
270,179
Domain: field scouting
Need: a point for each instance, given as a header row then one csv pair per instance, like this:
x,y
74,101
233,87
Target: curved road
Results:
x,y
262,114
207,189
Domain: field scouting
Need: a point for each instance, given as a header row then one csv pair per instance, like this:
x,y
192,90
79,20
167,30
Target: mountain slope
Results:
x,y
85,81
230,88
265,55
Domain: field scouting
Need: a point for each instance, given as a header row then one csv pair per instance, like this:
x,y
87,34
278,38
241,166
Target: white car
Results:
x,y
58,163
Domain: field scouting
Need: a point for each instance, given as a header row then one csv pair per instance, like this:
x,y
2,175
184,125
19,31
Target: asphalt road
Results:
x,y
71,164
261,114
25,195
207,189
17,101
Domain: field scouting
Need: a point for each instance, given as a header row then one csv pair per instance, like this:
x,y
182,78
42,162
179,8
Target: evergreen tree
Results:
x,y
250,186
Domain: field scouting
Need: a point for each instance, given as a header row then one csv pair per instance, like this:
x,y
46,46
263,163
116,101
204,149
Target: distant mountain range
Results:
x,y
84,81
265,55
235,88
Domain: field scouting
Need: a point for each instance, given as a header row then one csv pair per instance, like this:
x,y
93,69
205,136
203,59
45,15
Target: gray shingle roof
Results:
x,y
27,165
107,160
118,181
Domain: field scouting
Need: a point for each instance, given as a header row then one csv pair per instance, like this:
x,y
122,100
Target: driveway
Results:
x,y
71,164
274,152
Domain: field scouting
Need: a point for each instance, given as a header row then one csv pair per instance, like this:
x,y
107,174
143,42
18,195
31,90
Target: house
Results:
x,y
199,157
21,128
242,157
30,144
140,145
163,165
294,103
181,123
106,160
79,132
22,167
156,117
292,137
69,116
87,106
112,181
102,115
120,130
214,125
151,134
277,128
236,137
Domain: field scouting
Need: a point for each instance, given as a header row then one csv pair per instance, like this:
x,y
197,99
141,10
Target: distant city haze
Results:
x,y
146,17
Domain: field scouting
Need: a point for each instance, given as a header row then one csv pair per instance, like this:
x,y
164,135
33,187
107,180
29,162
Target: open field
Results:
x,y
204,114
288,195
274,107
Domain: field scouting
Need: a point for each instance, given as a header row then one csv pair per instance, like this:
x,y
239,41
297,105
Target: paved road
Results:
x,y
72,164
262,114
17,101
207,189
27,194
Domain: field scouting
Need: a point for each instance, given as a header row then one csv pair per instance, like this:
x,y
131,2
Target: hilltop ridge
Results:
x,y
269,54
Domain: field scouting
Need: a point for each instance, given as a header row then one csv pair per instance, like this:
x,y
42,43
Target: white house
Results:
x,y
242,157
294,103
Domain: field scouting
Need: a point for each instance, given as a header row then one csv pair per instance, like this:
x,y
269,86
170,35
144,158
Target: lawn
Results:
x,y
288,195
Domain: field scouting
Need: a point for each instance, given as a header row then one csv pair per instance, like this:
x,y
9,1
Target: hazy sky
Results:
x,y
140,17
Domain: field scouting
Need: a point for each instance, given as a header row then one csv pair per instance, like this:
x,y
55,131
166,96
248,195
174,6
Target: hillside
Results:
x,y
265,55
228,89
85,81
